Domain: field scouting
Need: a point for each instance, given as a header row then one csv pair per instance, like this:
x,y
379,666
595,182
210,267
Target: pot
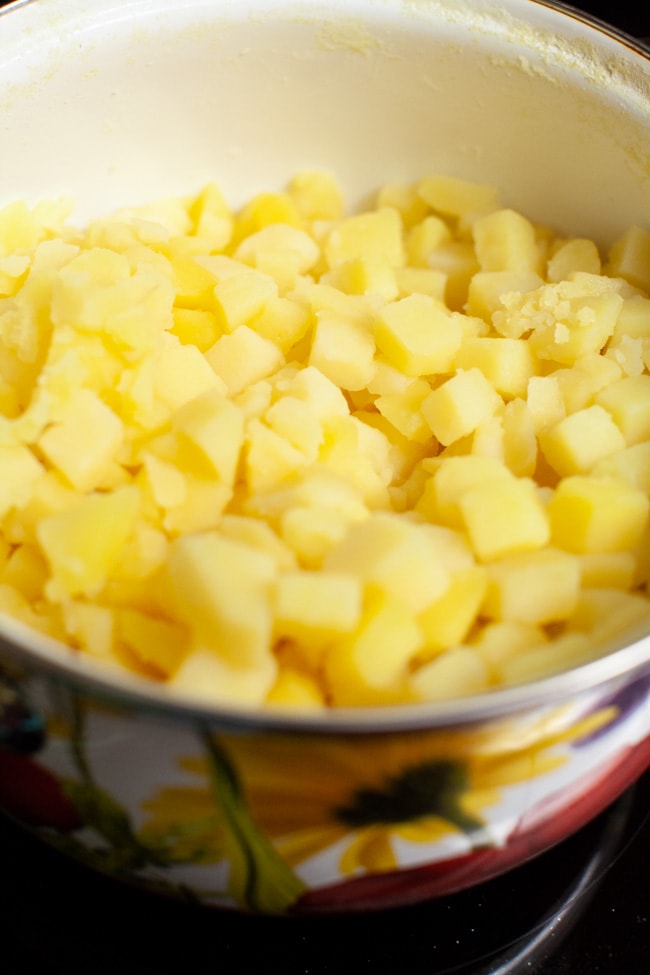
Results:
x,y
122,101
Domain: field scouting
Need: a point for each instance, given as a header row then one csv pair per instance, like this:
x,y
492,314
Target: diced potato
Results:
x,y
454,196
425,238
208,676
628,401
459,405
370,666
629,258
364,276
458,673
210,432
574,255
343,350
593,514
632,466
418,336
566,651
282,321
506,241
575,444
317,195
84,439
243,357
375,234
195,326
537,587
450,479
403,410
448,620
83,543
391,553
296,690
314,607
508,364
221,589
488,288
504,516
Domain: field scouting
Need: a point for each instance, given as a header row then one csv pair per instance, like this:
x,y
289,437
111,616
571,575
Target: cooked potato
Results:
x,y
292,456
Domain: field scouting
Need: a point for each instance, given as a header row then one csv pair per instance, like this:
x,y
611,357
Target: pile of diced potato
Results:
x,y
288,455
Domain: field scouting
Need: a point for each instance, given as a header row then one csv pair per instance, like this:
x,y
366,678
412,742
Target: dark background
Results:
x,y
56,916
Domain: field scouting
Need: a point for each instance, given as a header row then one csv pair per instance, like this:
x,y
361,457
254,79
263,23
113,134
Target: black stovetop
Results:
x,y
582,908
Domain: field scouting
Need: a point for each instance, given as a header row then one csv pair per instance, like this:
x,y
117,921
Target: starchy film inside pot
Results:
x,y
292,455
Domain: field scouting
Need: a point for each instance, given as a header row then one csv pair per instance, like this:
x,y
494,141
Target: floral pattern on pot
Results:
x,y
271,822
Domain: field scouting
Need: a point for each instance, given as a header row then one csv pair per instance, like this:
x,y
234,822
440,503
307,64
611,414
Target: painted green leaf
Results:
x,y
260,879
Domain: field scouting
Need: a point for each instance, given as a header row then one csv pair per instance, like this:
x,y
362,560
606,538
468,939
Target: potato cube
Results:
x,y
84,439
278,239
457,407
418,336
507,363
270,459
243,357
370,665
488,288
91,627
629,258
25,570
391,552
628,401
283,322
364,276
632,466
210,432
580,383
583,324
593,514
376,233
238,298
156,643
402,410
295,689
454,476
84,542
634,318
311,531
575,444
578,254
499,641
180,373
193,283
504,516
343,350
563,653
207,675
448,620
211,216
314,607
405,199
505,241
537,587
420,280
20,472
458,673
425,238
519,440
221,589
203,503
454,196
545,402
195,326
317,195
607,570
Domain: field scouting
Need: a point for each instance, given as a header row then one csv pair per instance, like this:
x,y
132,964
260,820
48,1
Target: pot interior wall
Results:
x,y
122,102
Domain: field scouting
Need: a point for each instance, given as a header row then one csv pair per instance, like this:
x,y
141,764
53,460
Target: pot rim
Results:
x,y
623,661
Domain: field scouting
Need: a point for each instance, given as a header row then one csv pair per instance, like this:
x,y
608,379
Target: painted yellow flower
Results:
x,y
308,793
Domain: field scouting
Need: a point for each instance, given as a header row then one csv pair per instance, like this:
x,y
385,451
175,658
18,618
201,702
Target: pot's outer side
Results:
x,y
120,101
279,823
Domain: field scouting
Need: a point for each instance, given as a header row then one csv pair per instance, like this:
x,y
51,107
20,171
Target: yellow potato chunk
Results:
x,y
83,542
370,666
418,336
84,440
457,407
576,443
221,589
592,514
504,516
376,233
505,241
299,457
537,587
